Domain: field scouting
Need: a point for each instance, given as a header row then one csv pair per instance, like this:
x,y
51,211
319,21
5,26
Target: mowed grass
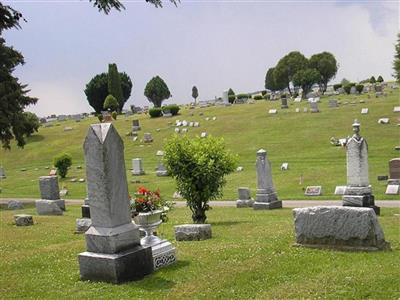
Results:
x,y
301,139
249,257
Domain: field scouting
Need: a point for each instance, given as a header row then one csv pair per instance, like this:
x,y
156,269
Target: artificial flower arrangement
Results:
x,y
146,201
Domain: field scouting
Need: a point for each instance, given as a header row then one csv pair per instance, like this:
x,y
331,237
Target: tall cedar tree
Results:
x,y
13,94
114,85
396,62
195,93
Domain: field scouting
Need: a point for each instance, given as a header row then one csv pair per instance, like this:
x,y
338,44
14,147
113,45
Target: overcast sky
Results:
x,y
214,45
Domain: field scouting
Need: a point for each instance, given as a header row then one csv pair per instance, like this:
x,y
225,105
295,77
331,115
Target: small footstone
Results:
x,y
192,232
14,204
23,220
343,228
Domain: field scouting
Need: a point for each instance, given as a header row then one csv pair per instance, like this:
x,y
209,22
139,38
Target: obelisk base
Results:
x,y
132,264
360,197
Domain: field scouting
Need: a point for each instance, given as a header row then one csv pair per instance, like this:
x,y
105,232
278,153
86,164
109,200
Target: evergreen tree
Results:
x,y
380,79
195,93
396,62
114,85
372,80
156,91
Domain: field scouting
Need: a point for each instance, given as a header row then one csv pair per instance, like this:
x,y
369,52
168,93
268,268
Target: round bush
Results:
x,y
242,96
114,115
62,162
172,108
359,88
231,98
258,97
110,103
100,117
337,86
347,88
155,112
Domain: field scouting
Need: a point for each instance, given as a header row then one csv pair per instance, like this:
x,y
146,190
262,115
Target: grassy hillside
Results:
x,y
301,139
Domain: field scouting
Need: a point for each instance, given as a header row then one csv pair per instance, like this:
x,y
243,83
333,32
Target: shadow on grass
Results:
x,y
34,138
227,223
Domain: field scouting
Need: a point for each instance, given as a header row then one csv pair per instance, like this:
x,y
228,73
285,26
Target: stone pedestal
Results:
x,y
114,253
343,228
164,254
192,232
82,225
266,197
50,204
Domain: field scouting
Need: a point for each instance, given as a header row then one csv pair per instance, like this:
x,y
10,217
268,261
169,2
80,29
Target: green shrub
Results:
x,y
100,117
359,88
337,86
263,93
242,96
267,97
352,84
173,109
62,162
231,98
110,103
347,88
114,115
258,97
155,112
199,166
380,79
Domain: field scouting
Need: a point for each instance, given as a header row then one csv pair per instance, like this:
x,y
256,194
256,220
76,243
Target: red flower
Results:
x,y
142,190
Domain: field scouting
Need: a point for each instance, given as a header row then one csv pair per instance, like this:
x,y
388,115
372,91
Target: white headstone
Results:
x,y
364,111
272,111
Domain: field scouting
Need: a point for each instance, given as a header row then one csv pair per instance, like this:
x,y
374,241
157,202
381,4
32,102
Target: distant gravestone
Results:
x,y
383,121
297,110
135,125
50,202
285,166
147,138
284,103
394,169
114,253
340,190
245,199
314,107
2,173
23,220
315,190
353,90
305,109
392,189
15,204
272,111
203,134
266,197
177,130
396,109
333,103
137,166
364,111
193,232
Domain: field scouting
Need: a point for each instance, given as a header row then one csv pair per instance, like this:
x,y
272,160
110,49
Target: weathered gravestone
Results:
x,y
394,170
396,109
2,173
147,138
135,125
114,253
50,202
358,192
137,166
314,107
23,220
266,197
272,111
364,111
313,190
161,170
340,190
15,204
284,103
333,103
343,228
245,199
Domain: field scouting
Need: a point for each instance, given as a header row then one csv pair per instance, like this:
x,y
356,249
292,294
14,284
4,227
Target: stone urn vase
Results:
x,y
148,222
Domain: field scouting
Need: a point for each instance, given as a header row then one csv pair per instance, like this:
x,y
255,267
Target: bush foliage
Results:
x,y
62,162
199,167
155,112
173,109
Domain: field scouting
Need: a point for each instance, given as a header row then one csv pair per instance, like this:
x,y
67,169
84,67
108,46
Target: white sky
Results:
x,y
214,45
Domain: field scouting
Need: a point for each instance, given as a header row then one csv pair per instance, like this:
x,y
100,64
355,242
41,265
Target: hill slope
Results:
x,y
301,139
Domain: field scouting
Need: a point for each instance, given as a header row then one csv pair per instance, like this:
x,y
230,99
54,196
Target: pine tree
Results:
x,y
396,62
114,85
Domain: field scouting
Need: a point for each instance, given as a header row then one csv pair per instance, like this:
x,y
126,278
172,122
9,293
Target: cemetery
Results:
x,y
287,192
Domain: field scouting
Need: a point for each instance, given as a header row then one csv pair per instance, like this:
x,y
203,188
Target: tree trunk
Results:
x,y
198,214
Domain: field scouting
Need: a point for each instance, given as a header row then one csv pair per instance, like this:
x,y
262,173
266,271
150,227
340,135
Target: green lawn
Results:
x,y
249,257
302,139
